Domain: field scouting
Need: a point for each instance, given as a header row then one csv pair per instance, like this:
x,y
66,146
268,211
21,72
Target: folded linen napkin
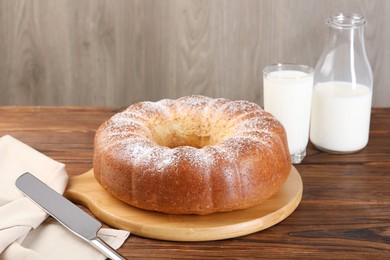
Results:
x,y
22,234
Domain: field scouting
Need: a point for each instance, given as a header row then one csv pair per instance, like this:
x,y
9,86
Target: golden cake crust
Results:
x,y
193,155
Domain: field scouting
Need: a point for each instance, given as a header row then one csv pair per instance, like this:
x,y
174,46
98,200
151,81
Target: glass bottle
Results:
x,y
342,92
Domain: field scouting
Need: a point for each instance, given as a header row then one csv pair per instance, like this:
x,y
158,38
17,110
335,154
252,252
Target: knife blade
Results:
x,y
64,211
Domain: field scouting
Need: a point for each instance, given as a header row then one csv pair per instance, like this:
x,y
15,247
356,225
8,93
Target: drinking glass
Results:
x,y
288,92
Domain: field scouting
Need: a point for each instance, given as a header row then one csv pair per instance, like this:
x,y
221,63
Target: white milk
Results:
x,y
340,119
287,95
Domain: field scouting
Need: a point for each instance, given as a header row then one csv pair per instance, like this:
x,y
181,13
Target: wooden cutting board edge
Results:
x,y
85,190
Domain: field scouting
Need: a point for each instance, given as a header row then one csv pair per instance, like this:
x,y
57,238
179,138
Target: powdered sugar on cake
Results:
x,y
218,144
132,123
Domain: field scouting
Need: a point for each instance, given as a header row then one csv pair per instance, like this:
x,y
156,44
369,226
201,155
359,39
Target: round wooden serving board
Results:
x,y
84,189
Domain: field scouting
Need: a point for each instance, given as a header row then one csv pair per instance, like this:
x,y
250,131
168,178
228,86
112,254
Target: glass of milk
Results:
x,y
288,92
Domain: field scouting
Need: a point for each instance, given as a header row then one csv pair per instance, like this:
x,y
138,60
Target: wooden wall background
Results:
x,y
109,53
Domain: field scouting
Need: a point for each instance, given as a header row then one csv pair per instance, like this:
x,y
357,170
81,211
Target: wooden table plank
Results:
x,y
344,213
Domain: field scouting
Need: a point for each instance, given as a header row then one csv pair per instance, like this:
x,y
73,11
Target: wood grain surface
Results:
x,y
114,53
344,212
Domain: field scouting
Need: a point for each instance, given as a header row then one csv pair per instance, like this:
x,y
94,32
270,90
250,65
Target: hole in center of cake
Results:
x,y
188,140
173,140
176,135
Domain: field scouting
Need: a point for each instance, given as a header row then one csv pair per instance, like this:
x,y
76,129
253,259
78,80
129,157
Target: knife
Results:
x,y
67,213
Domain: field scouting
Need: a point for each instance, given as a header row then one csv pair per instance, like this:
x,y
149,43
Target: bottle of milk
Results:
x,y
342,93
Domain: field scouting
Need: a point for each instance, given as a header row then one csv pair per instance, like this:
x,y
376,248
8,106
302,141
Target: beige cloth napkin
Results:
x,y
22,234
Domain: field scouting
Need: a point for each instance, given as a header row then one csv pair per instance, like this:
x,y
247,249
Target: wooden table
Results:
x,y
344,213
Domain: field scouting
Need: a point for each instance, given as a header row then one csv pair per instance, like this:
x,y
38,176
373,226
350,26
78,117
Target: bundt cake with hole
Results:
x,y
193,155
